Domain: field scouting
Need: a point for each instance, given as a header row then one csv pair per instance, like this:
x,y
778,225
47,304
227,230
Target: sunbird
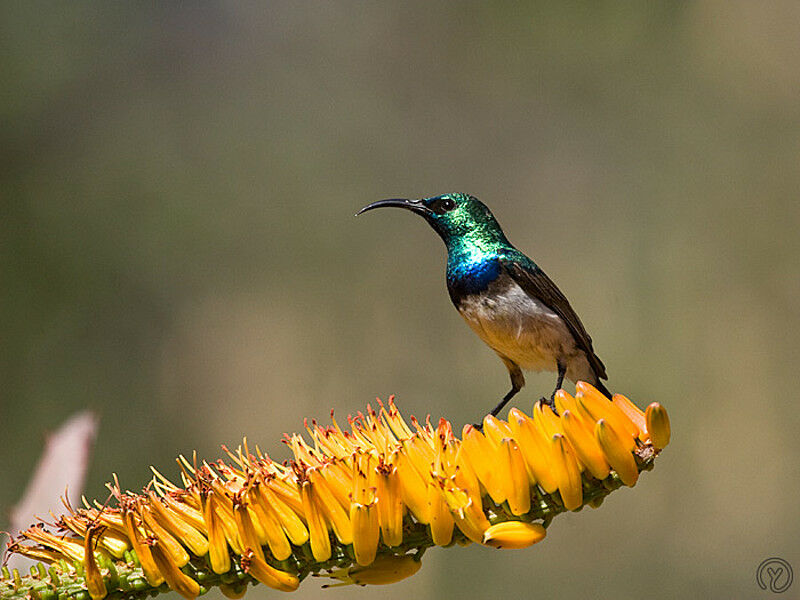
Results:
x,y
505,298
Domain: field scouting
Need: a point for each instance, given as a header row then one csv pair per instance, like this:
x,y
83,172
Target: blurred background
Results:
x,y
179,251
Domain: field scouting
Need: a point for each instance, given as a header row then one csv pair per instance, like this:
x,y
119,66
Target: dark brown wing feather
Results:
x,y
540,287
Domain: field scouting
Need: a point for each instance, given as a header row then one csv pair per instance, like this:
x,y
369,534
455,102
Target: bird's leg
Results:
x,y
517,381
511,393
562,371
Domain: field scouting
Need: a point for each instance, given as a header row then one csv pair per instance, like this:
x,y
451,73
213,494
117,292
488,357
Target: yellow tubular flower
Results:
x,y
395,421
467,514
289,494
360,505
317,527
228,524
41,554
244,524
113,521
442,522
262,520
268,575
174,523
192,516
175,578
367,532
70,549
512,466
94,579
390,505
564,402
481,454
116,542
546,420
585,445
567,473
295,530
168,543
446,459
536,450
419,453
149,568
658,425
464,477
274,534
385,570
513,534
413,488
601,407
615,447
495,429
364,512
339,478
334,512
633,413
217,544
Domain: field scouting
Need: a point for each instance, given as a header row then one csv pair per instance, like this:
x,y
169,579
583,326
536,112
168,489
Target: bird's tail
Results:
x,y
603,389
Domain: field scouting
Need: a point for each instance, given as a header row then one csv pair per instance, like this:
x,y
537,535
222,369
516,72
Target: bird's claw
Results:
x,y
549,402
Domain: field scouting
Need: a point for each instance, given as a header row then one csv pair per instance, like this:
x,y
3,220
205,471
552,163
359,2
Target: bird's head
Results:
x,y
452,216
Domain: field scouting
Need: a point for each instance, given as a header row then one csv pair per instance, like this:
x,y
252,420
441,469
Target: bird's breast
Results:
x,y
517,326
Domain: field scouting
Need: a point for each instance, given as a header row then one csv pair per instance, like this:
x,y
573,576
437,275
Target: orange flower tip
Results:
x,y
562,401
495,429
585,388
384,570
515,413
658,425
513,535
632,412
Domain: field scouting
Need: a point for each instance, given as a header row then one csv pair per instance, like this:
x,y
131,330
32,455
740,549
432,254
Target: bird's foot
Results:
x,y
478,426
550,402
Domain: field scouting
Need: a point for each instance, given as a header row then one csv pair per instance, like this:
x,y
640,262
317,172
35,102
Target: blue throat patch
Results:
x,y
465,278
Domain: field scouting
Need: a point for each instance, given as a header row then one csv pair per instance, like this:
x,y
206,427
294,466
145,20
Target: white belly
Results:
x,y
525,331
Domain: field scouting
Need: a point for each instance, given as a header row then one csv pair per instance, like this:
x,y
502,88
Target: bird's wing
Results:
x,y
540,287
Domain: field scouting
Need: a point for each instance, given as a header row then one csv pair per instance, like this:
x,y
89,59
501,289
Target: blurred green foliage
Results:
x,y
178,249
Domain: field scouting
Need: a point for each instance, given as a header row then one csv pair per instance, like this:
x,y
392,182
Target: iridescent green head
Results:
x,y
453,216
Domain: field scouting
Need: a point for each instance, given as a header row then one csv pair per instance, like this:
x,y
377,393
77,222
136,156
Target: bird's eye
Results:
x,y
446,204
442,205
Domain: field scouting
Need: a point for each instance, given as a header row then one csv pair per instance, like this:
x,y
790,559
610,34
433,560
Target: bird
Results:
x,y
505,297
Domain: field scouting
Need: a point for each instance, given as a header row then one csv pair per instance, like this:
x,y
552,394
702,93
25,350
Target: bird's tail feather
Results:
x,y
603,389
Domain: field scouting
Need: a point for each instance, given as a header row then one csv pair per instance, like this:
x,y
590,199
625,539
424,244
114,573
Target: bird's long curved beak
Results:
x,y
413,205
